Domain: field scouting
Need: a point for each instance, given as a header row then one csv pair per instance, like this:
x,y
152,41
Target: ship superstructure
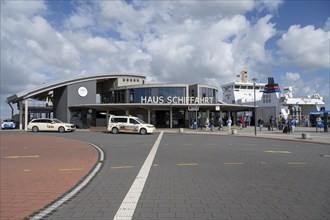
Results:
x,y
269,99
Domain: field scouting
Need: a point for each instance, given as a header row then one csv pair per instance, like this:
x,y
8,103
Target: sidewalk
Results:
x,y
319,137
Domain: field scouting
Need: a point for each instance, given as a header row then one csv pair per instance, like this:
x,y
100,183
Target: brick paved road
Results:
x,y
37,169
207,177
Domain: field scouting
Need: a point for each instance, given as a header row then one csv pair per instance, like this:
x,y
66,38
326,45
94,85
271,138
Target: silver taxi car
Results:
x,y
49,124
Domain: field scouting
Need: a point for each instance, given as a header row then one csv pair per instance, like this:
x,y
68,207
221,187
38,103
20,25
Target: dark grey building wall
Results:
x,y
60,103
75,99
67,96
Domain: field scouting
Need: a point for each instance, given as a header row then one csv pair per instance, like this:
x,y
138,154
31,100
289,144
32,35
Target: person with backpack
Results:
x,y
260,123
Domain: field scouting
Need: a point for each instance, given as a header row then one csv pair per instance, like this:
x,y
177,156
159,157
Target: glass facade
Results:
x,y
208,92
136,94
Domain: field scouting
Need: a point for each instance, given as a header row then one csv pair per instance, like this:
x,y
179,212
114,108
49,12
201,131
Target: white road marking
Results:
x,y
127,207
41,214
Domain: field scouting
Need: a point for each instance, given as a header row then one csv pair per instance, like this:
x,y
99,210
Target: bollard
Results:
x,y
305,136
234,131
180,130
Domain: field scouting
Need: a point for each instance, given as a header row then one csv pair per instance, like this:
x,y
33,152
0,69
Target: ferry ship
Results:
x,y
270,101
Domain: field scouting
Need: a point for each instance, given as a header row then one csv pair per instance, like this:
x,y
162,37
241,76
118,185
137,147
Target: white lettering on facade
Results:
x,y
176,100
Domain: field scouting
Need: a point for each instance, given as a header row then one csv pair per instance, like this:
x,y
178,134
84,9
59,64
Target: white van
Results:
x,y
129,124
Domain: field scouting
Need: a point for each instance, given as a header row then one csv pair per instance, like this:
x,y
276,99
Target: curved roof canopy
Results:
x,y
44,90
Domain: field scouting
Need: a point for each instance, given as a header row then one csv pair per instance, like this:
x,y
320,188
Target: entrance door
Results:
x,y
162,119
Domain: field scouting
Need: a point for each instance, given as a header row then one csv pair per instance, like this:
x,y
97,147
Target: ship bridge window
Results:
x,y
243,87
250,87
266,98
257,87
236,86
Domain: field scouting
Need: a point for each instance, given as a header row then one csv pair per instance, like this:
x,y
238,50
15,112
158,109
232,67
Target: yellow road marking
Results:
x,y
277,152
296,163
121,167
234,163
155,165
27,170
187,164
16,157
70,169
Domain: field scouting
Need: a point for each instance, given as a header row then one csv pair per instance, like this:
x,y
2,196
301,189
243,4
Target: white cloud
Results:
x,y
305,47
169,41
291,77
327,25
20,8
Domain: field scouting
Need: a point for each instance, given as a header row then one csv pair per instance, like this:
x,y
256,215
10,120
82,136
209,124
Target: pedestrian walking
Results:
x,y
207,123
229,121
220,124
260,123
293,125
271,123
211,124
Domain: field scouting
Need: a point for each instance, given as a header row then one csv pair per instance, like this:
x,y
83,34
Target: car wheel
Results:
x,y
35,129
114,130
61,129
143,131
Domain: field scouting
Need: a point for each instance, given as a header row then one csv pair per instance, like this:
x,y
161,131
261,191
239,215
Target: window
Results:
x,y
123,80
133,121
266,98
119,120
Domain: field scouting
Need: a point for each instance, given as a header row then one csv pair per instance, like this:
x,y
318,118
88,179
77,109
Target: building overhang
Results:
x,y
153,106
41,92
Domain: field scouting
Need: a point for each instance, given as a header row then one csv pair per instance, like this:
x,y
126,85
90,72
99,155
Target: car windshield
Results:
x,y
140,121
57,121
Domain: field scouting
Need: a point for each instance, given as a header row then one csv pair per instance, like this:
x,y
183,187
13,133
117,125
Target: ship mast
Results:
x,y
243,76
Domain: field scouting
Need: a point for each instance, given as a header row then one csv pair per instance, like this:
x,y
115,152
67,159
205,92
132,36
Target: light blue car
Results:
x,y
8,124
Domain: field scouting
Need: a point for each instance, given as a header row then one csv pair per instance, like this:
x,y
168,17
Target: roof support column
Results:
x,y
26,114
171,117
20,103
235,118
107,118
148,115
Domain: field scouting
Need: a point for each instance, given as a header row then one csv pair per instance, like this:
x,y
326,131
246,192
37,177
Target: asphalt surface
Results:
x,y
208,175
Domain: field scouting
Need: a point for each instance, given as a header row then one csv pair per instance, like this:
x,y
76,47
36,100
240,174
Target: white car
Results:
x,y
49,124
129,124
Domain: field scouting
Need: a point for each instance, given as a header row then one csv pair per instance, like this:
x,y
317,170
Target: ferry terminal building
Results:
x,y
88,100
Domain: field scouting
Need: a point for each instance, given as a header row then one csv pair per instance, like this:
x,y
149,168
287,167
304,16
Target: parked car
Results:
x,y
8,124
49,124
129,124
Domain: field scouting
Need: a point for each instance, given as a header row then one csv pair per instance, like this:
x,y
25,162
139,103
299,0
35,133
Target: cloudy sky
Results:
x,y
207,42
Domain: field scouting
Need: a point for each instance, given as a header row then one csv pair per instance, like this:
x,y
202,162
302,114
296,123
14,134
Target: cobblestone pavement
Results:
x,y
208,175
36,169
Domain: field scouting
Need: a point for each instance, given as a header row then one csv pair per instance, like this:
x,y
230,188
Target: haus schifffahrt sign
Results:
x,y
176,100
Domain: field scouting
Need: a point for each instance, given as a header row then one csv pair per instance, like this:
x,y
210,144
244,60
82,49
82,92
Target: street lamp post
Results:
x,y
254,104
